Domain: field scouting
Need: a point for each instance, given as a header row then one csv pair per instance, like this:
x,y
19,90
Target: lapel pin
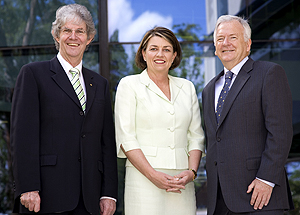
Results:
x,y
91,85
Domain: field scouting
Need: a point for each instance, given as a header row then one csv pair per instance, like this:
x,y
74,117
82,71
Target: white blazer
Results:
x,y
164,130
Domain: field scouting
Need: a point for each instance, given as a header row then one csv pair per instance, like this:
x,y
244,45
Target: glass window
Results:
x,y
29,22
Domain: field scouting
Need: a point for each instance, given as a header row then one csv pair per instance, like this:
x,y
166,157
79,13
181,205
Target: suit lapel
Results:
x,y
211,99
62,80
155,89
175,87
236,87
90,86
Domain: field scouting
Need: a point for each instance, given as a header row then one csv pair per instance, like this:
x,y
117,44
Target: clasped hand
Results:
x,y
172,183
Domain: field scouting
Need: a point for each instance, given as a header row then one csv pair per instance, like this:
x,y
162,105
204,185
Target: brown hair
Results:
x,y
164,33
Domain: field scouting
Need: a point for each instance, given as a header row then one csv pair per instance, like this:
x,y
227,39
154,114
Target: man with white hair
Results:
x,y
247,111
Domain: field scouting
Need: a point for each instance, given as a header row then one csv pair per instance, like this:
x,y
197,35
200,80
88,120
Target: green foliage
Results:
x,y
190,66
6,190
294,181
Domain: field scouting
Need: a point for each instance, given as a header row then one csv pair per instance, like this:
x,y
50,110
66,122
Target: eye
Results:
x,y
67,31
167,50
79,32
220,39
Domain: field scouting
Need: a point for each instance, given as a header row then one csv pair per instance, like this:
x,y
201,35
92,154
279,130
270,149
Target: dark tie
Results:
x,y
223,94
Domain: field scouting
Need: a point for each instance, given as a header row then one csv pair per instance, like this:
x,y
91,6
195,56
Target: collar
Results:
x,y
66,66
235,70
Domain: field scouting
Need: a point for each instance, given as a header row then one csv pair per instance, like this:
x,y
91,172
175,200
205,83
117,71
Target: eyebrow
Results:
x,y
163,46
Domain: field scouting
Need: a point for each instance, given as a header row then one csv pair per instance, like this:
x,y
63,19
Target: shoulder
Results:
x,y
34,65
131,79
181,81
266,65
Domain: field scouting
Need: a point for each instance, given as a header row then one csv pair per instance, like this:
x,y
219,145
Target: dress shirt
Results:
x,y
218,88
67,66
219,83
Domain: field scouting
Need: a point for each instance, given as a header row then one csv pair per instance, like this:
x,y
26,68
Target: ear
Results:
x,y
89,41
144,55
249,45
174,55
54,36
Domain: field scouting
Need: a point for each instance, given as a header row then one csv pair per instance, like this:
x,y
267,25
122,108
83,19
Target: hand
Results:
x,y
261,194
107,207
181,179
164,181
31,201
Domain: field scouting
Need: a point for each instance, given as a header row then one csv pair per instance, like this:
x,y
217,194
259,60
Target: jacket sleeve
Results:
x,y
277,110
25,132
110,176
195,132
125,108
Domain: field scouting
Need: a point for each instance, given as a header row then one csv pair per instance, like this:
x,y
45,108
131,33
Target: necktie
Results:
x,y
77,87
223,94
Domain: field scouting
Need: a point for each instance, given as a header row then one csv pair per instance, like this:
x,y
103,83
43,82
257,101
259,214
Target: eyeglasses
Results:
x,y
78,32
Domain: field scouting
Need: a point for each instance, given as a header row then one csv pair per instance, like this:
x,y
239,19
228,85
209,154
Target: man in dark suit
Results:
x,y
62,138
248,130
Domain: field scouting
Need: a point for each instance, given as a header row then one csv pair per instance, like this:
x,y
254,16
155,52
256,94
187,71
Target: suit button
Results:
x,y
218,139
81,113
79,159
83,136
215,163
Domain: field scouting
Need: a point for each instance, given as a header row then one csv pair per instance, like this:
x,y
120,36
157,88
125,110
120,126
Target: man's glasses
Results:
x,y
78,32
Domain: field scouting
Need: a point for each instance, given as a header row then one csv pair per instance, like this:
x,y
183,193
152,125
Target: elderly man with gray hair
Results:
x,y
247,111
62,133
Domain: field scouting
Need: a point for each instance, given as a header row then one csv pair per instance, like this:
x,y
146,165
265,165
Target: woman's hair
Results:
x,y
229,18
165,34
73,12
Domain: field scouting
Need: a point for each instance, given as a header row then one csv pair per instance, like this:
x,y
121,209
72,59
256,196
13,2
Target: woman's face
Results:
x,y
159,55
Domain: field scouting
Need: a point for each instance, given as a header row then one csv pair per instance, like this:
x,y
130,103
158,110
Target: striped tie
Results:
x,y
77,87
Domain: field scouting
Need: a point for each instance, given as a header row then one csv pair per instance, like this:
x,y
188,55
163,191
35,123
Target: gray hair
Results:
x,y
72,12
229,18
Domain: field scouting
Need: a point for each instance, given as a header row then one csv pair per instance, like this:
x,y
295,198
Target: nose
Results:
x,y
226,41
73,35
160,52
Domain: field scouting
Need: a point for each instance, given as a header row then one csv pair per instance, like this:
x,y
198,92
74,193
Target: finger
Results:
x,y
250,188
37,208
173,190
31,206
253,198
267,200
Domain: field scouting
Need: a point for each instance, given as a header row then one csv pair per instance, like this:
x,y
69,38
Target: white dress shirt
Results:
x,y
67,66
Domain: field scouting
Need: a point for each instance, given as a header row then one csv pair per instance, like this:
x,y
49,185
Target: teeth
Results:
x,y
159,61
73,44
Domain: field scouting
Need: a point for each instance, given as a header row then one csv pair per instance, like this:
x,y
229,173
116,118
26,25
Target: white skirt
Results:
x,y
144,198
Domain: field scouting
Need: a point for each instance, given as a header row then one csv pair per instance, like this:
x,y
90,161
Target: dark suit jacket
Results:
x,y
55,146
253,137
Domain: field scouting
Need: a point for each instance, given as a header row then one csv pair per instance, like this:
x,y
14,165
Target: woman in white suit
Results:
x,y
158,129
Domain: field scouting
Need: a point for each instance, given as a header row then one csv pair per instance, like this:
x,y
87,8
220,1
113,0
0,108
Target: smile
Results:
x,y
73,44
159,61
